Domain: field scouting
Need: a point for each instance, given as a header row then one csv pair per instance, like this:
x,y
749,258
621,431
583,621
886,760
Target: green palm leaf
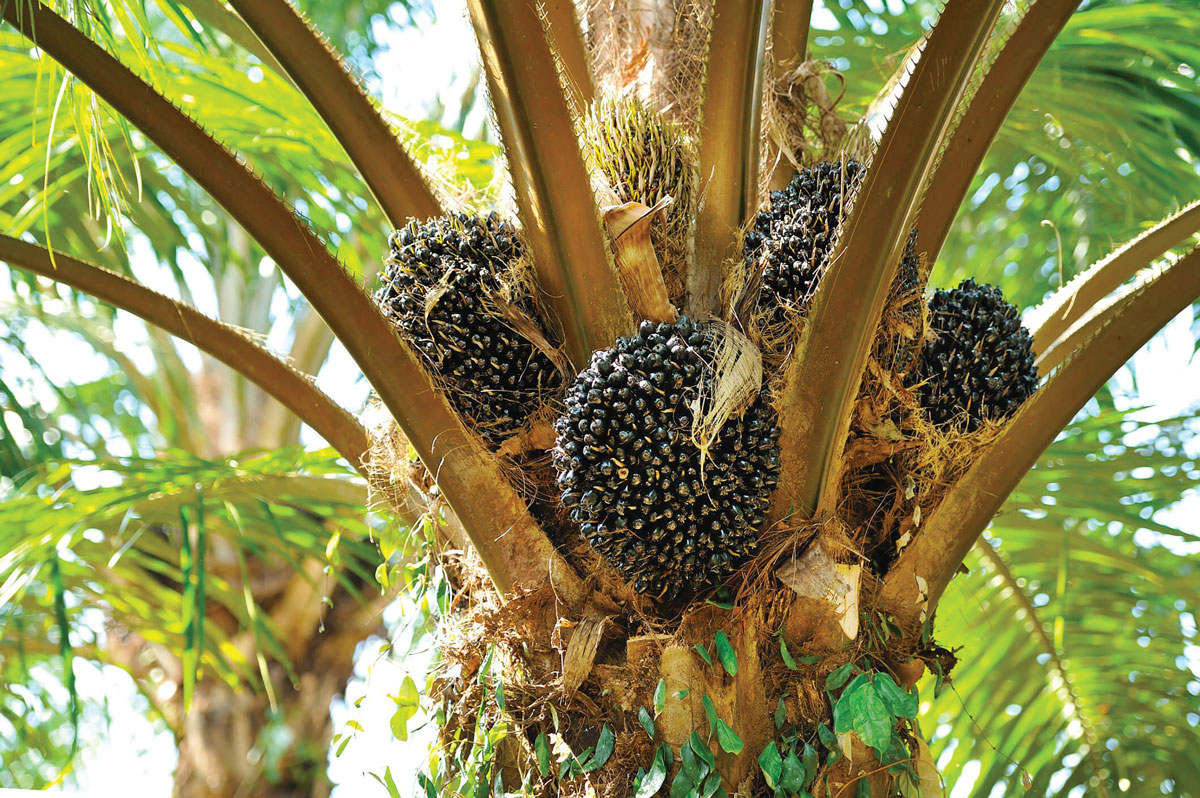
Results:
x,y
1072,659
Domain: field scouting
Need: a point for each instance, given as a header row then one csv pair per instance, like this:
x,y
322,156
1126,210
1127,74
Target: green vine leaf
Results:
x,y
791,779
660,697
862,711
646,721
701,749
726,654
787,656
486,667
710,712
653,780
810,764
683,785
408,701
604,749
728,738
899,701
839,677
695,767
542,749
771,764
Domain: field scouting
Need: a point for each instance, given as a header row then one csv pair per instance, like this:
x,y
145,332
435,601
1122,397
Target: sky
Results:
x,y
134,756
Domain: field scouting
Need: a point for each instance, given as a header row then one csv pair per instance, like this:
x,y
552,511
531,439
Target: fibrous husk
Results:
x,y
732,380
618,33
801,118
681,36
654,51
395,476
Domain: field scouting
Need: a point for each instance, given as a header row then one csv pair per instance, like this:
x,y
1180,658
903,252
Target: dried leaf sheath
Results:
x,y
641,275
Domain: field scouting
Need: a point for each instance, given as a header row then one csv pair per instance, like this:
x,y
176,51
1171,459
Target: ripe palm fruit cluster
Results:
x,y
980,364
444,285
669,517
794,236
795,233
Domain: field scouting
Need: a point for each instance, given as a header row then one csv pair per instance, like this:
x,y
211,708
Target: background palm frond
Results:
x,y
1074,625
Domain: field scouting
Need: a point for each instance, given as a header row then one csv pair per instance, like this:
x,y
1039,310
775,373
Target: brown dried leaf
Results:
x,y
637,264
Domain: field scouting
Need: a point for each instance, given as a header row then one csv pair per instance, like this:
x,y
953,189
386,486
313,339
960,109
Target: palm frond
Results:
x,y
114,526
1067,153
1037,29
791,22
1065,307
225,343
566,38
730,121
554,194
1066,663
472,481
371,145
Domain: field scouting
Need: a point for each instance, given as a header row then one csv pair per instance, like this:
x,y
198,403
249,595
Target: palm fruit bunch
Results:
x,y
794,236
644,158
980,363
671,518
443,286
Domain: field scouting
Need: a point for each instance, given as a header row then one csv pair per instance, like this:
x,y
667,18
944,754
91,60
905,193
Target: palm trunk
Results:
x,y
233,743
231,746
599,668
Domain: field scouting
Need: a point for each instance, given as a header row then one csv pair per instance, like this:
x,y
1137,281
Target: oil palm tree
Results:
x,y
797,675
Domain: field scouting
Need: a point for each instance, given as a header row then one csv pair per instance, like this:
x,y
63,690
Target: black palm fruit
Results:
x,y
795,233
794,236
439,287
980,363
669,518
901,349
